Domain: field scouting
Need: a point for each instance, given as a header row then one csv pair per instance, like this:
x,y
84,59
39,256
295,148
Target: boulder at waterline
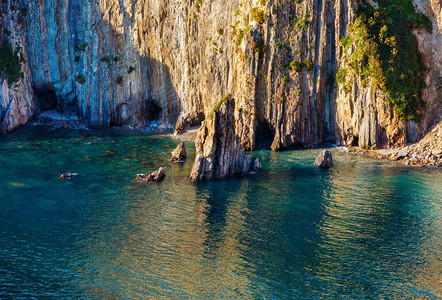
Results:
x,y
155,176
179,154
324,160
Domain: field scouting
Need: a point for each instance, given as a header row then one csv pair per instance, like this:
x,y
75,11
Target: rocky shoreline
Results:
x,y
426,153
407,155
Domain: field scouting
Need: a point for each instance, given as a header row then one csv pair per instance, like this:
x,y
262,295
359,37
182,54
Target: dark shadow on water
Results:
x,y
219,195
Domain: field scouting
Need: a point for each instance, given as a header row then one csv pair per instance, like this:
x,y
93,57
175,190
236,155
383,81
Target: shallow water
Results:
x,y
363,229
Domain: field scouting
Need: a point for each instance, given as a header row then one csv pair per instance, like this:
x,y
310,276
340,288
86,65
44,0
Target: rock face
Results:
x,y
324,160
140,62
17,100
428,152
179,154
430,46
219,152
155,176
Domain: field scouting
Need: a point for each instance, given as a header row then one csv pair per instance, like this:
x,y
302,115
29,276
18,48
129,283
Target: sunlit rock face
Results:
x,y
219,153
133,62
430,44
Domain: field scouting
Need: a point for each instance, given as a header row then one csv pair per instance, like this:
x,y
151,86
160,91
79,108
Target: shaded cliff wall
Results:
x,y
17,100
89,54
116,62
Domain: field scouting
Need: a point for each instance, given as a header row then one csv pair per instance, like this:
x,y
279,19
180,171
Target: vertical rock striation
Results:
x,y
137,62
219,153
17,99
430,44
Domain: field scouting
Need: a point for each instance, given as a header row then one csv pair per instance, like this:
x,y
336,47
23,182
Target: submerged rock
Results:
x,y
155,176
219,153
179,154
324,160
257,166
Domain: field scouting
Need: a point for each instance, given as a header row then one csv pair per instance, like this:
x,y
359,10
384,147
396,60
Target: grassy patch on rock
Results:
x,y
386,54
10,63
218,105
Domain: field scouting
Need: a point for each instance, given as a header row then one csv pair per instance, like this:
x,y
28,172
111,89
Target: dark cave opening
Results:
x,y
197,120
264,134
49,101
153,111
47,98
355,142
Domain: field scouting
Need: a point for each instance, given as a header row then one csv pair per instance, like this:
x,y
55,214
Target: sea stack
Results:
x,y
219,153
179,154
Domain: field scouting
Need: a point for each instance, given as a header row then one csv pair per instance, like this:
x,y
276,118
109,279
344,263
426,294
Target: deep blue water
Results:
x,y
365,229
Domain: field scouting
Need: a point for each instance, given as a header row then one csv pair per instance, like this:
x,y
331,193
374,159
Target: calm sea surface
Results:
x,y
364,229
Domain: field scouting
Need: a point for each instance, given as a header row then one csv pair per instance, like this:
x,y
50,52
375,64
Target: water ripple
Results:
x,y
364,229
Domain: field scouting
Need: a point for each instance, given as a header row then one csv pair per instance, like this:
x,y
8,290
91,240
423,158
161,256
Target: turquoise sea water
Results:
x,y
365,229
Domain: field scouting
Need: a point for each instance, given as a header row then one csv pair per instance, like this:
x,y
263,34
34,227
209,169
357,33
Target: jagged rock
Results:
x,y
155,176
68,175
219,152
179,154
324,160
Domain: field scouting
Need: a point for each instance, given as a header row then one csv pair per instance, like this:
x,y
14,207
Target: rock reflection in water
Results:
x,y
364,227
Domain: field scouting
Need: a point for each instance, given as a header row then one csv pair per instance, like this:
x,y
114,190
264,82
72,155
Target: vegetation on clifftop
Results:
x,y
386,54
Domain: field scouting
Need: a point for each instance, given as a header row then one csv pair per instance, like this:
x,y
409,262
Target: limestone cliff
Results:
x,y
134,62
219,153
17,101
430,45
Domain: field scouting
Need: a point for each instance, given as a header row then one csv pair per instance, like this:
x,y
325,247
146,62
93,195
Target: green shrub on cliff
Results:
x,y
218,105
258,15
259,46
10,63
80,79
81,48
386,54
241,33
297,66
198,4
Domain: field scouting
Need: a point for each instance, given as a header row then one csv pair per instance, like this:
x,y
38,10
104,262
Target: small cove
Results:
x,y
364,227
